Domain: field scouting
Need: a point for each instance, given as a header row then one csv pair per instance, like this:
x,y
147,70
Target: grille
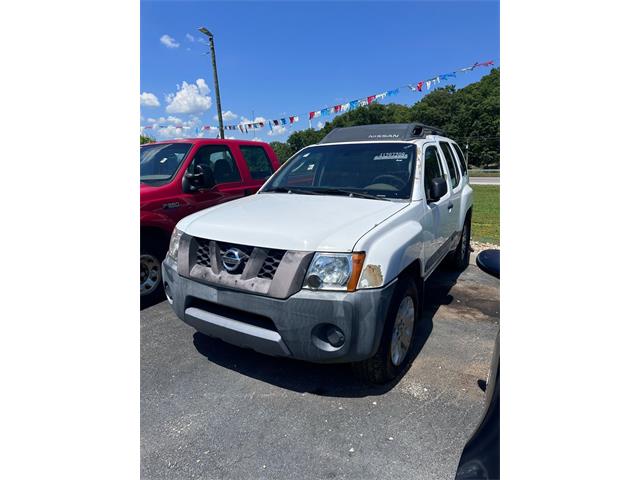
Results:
x,y
246,251
270,264
203,256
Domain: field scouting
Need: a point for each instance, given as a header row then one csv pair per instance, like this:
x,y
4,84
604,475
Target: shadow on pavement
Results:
x,y
149,302
333,380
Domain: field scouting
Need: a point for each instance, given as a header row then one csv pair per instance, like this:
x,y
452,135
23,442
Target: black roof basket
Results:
x,y
387,131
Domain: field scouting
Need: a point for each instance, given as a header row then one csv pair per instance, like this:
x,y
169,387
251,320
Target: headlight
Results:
x,y
174,243
334,271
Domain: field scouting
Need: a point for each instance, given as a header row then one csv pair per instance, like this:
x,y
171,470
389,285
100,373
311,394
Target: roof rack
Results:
x,y
388,131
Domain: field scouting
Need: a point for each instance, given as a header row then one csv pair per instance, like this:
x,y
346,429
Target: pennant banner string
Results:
x,y
421,86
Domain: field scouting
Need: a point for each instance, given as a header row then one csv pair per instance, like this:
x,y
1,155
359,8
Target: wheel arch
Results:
x,y
154,234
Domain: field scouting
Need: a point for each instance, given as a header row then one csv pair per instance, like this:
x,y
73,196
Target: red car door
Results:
x,y
219,162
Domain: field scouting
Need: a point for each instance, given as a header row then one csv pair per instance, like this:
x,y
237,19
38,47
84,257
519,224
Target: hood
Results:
x,y
291,222
144,189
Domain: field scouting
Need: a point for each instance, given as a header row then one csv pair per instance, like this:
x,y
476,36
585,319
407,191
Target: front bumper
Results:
x,y
293,327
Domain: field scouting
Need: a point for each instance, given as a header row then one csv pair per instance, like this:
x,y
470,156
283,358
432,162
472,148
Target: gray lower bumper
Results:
x,y
297,320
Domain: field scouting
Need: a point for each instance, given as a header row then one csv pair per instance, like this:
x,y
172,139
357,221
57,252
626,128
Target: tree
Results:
x,y
283,151
470,116
144,139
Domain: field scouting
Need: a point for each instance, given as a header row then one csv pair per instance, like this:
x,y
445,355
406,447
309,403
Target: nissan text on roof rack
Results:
x,y
327,262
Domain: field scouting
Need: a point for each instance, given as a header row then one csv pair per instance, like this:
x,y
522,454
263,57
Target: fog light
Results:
x,y
335,336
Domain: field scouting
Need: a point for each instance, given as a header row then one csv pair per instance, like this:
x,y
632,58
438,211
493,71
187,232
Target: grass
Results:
x,y
485,222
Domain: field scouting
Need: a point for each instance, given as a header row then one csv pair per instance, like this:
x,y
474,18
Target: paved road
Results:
x,y
210,410
484,180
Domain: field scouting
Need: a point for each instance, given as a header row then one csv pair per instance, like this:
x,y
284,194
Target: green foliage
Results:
x,y
144,139
470,116
283,151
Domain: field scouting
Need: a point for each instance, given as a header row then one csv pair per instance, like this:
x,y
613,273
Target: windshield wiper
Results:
x,y
302,191
351,193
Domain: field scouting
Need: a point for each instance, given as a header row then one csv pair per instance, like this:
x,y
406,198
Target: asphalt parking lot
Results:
x,y
214,411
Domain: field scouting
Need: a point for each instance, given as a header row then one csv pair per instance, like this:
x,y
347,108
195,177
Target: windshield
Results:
x,y
159,163
370,170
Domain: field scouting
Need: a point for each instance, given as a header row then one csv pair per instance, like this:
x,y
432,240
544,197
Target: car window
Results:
x,y
257,162
379,169
432,168
453,169
217,162
463,162
160,162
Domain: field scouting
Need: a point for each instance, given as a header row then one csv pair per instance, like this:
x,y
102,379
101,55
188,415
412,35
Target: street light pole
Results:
x,y
215,79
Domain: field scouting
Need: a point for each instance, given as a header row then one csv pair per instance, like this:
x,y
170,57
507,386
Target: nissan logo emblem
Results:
x,y
232,259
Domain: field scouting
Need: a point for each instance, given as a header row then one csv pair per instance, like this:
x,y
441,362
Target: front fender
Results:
x,y
390,248
156,220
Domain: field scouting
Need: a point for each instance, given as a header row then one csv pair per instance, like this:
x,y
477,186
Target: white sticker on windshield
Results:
x,y
397,156
306,155
310,167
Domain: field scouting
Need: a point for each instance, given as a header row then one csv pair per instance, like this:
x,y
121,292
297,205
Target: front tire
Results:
x,y
151,255
394,350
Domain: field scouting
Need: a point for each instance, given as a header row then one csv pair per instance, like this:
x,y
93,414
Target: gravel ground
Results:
x,y
210,410
477,247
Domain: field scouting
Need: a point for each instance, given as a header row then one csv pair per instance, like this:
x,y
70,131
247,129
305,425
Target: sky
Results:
x,y
284,58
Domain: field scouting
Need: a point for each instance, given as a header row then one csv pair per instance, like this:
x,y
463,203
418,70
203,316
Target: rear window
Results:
x,y
463,163
451,164
257,162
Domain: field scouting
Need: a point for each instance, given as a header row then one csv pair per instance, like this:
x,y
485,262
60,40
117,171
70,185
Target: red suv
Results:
x,y
180,177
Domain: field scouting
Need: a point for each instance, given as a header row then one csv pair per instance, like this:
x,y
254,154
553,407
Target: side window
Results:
x,y
463,162
257,162
453,169
432,168
217,161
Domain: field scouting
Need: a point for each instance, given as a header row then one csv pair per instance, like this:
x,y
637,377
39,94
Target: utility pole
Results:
x,y
215,78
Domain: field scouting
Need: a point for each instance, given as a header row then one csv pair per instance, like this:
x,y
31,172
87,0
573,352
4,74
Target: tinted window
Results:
x,y
218,162
432,168
453,169
159,163
381,169
463,162
257,162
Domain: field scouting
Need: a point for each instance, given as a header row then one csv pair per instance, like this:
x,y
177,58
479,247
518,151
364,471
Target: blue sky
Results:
x,y
285,58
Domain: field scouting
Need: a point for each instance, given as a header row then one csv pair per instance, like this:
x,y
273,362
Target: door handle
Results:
x,y
450,207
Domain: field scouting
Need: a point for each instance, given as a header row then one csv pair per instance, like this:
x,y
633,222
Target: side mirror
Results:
x,y
437,189
202,178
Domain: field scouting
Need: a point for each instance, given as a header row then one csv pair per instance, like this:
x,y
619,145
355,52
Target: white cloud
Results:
x,y
320,124
190,98
190,37
149,100
257,139
277,130
255,120
203,87
227,116
164,128
168,41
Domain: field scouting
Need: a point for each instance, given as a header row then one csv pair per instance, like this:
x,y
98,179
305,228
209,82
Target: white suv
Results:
x,y
327,262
